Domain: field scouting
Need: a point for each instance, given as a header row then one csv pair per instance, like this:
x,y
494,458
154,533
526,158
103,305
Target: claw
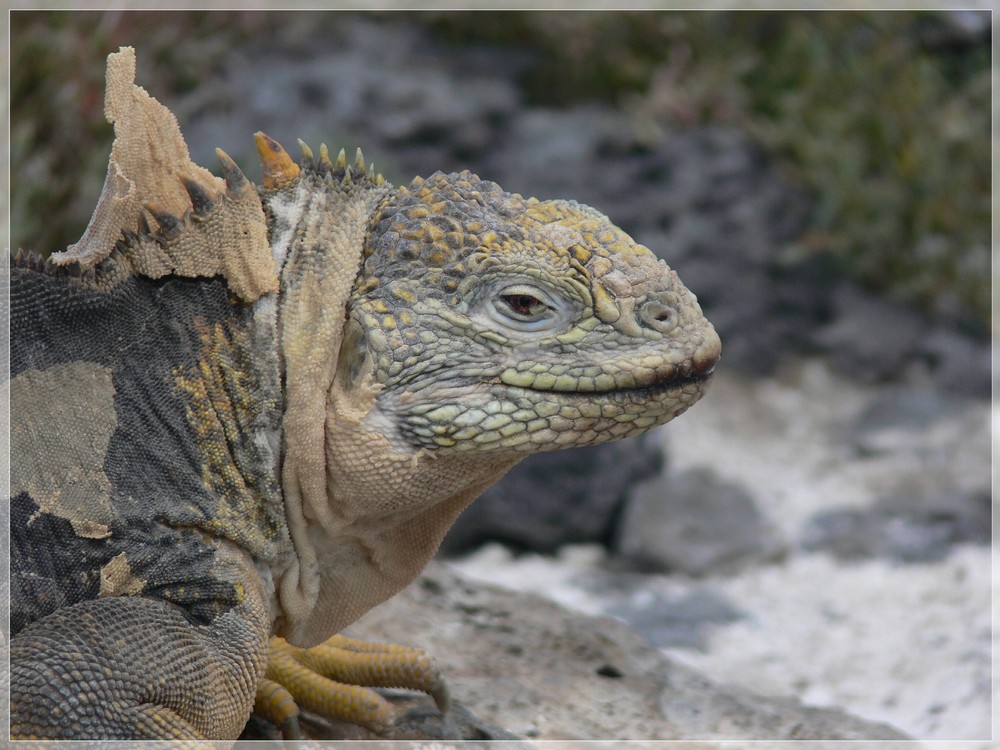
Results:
x,y
275,703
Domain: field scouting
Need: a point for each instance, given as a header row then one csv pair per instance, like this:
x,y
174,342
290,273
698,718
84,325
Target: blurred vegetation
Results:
x,y
883,116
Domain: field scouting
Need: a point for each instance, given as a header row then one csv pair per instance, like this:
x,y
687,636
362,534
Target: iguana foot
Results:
x,y
336,678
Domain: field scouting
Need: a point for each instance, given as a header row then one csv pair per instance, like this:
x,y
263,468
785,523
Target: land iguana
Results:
x,y
242,417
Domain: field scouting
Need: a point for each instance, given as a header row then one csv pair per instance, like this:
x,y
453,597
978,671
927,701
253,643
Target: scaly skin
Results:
x,y
497,323
244,417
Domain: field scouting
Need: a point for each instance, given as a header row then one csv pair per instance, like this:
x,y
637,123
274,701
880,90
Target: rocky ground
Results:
x,y
831,548
815,533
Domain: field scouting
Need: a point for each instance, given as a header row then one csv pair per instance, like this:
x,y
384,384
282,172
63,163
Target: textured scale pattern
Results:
x,y
242,416
630,354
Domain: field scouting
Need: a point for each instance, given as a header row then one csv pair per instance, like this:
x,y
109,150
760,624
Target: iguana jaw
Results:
x,y
451,412
501,418
496,397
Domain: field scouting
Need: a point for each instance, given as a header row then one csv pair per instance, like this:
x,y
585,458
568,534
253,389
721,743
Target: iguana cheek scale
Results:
x,y
242,417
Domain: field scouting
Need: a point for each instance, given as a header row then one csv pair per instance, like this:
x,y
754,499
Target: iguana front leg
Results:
x,y
133,667
336,678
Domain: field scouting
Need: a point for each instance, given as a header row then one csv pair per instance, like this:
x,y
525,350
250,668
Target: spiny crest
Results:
x,y
203,203
169,226
280,171
32,261
202,226
187,243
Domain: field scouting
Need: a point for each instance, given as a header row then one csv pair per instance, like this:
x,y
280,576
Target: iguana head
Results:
x,y
476,326
492,322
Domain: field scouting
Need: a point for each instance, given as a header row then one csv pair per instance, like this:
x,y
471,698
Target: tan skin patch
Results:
x,y
62,420
148,164
117,578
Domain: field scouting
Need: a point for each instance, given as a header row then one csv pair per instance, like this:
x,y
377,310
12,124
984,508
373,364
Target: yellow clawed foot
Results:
x,y
336,678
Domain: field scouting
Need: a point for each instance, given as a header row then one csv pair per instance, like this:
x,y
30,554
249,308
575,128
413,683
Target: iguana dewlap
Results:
x,y
240,413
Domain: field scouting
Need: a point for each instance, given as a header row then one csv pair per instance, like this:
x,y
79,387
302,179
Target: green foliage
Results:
x,y
55,123
893,138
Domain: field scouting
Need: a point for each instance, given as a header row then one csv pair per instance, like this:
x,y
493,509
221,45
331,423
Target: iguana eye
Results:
x,y
524,306
521,306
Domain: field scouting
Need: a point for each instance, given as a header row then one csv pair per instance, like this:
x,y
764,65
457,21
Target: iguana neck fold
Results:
x,y
317,223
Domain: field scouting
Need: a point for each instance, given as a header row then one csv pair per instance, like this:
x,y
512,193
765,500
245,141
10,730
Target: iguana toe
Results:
x,y
336,679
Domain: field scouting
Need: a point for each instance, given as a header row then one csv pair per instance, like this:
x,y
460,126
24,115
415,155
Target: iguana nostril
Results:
x,y
658,316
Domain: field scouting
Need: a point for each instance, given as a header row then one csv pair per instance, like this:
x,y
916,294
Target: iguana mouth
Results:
x,y
651,389
675,382
688,374
652,400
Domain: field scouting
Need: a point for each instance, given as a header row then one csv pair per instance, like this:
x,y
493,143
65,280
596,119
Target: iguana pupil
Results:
x,y
523,304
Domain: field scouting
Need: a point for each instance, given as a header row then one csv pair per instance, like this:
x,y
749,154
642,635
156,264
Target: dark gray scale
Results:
x,y
51,565
142,330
